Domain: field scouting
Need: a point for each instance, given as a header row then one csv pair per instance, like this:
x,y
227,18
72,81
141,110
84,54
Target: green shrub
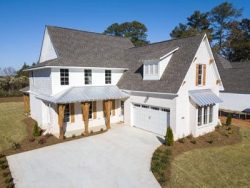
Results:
x,y
4,166
5,174
15,145
36,130
2,161
10,185
169,138
181,140
193,141
229,119
42,141
8,180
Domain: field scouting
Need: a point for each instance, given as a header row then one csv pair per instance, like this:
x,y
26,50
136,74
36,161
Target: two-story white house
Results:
x,y
88,80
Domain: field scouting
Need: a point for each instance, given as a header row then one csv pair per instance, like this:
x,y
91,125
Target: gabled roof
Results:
x,y
85,49
173,75
235,76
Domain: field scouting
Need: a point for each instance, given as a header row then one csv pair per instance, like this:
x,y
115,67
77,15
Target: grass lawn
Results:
x,y
227,166
12,128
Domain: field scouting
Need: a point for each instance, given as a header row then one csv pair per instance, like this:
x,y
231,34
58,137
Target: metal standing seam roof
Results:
x,y
86,93
204,97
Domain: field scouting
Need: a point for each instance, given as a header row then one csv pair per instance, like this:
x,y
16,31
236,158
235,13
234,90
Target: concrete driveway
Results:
x,y
118,158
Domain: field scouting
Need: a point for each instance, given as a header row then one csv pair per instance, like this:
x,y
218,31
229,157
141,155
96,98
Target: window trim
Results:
x,y
108,77
64,77
87,78
200,74
211,113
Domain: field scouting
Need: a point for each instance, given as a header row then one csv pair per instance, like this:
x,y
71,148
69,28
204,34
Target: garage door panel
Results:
x,y
151,118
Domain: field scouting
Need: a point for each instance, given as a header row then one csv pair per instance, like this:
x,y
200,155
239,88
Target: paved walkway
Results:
x,y
119,158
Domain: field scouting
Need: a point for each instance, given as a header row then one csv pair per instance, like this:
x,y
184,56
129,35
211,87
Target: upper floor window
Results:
x,y
200,74
151,69
88,76
107,76
66,114
64,76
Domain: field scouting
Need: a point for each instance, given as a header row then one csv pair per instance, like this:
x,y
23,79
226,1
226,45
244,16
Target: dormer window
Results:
x,y
151,71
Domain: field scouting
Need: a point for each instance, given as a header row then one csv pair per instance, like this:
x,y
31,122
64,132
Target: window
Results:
x,y
66,114
151,69
88,76
199,74
199,116
107,76
211,113
64,75
156,69
137,105
205,115
144,106
90,110
146,69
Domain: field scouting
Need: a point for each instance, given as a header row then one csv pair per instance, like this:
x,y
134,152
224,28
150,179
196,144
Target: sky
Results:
x,y
22,22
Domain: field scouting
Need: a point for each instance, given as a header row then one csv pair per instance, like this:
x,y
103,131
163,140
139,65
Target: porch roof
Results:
x,y
204,97
86,93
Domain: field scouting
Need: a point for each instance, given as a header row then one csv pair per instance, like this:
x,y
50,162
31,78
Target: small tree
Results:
x,y
229,119
36,130
169,138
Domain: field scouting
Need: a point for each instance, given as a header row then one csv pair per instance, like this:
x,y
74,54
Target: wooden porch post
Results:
x,y
61,109
85,116
107,110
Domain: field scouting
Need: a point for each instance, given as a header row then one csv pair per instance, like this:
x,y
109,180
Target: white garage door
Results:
x,y
151,118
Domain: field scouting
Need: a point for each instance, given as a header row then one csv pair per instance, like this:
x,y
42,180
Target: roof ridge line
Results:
x,y
91,32
169,40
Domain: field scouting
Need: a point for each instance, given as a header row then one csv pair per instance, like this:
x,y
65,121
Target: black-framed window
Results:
x,y
88,76
199,116
211,110
107,76
90,110
66,114
64,76
200,74
205,115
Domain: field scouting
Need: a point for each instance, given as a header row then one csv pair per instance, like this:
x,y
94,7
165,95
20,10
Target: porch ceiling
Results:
x,y
86,93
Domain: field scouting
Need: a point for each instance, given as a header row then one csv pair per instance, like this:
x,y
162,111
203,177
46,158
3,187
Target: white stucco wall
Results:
x,y
36,109
47,51
76,78
41,81
234,101
186,112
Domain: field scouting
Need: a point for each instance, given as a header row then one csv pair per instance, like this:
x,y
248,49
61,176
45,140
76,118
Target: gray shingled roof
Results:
x,y
175,72
235,76
86,49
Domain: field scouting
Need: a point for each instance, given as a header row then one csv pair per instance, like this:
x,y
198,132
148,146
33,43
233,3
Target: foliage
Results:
x,y
36,130
221,16
169,138
196,23
239,41
16,145
161,163
228,36
229,119
134,30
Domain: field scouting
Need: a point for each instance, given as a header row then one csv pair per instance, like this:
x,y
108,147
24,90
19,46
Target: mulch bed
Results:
x,y
30,143
222,136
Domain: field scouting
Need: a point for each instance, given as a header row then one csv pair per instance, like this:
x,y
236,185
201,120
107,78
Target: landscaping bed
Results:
x,y
163,157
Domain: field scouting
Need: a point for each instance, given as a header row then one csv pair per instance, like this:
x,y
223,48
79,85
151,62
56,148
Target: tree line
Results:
x,y
227,31
11,81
